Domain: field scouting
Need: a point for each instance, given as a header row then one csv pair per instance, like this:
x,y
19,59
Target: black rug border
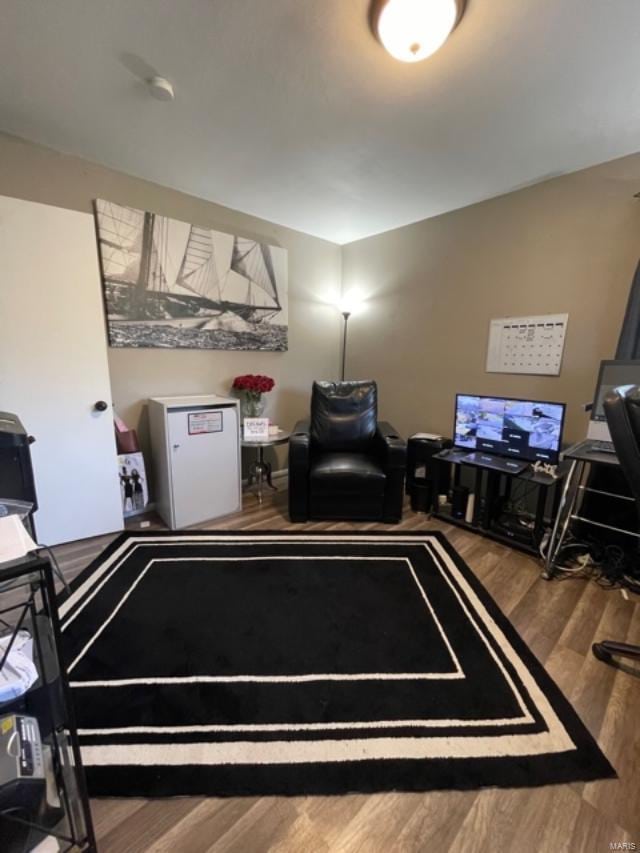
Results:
x,y
335,778
587,763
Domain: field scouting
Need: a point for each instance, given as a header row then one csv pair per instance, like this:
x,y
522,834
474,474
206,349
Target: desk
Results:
x,y
259,470
580,458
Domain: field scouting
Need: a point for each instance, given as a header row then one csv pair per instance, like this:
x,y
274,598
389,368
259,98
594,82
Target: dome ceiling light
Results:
x,y
411,30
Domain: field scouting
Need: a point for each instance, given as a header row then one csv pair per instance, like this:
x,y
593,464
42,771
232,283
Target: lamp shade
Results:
x,y
411,30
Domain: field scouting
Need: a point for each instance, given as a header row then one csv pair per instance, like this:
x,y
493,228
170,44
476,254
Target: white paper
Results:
x,y
256,429
201,423
15,542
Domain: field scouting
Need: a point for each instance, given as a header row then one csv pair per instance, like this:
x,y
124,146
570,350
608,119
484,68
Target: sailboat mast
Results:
x,y
140,291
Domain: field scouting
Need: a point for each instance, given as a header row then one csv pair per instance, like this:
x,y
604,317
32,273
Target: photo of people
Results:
x,y
133,483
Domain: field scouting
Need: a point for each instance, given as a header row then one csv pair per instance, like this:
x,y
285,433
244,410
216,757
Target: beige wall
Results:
x,y
570,244
39,174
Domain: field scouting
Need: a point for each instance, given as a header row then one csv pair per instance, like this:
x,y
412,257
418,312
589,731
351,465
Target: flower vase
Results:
x,y
252,405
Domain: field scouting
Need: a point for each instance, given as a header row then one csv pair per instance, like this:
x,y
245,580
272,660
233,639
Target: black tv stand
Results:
x,y
493,491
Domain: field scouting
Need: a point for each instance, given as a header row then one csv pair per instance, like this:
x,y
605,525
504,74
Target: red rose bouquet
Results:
x,y
251,387
253,383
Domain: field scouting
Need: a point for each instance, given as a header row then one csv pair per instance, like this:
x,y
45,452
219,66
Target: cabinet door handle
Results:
x,y
176,446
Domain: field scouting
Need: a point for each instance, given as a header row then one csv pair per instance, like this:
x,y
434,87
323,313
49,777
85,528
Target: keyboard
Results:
x,y
601,447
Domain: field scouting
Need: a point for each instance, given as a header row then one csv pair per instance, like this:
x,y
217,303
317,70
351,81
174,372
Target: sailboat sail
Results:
x,y
120,235
122,247
158,270
253,261
198,272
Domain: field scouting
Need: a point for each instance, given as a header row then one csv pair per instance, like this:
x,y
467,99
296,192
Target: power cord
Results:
x,y
610,566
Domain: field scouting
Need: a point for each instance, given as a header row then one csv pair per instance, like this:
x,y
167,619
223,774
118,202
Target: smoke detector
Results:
x,y
161,89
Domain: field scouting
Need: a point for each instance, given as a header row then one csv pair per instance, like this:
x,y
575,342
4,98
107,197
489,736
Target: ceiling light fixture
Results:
x,y
411,30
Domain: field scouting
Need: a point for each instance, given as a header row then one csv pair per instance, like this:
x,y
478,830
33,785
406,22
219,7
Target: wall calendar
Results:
x,y
527,344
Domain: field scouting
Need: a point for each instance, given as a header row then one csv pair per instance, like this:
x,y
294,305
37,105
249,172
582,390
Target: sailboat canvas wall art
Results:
x,y
171,284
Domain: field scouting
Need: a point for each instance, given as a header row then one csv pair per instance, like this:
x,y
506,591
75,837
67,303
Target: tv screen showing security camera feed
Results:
x,y
522,429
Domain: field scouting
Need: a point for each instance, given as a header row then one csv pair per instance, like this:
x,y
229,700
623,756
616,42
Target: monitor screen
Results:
x,y
612,375
522,429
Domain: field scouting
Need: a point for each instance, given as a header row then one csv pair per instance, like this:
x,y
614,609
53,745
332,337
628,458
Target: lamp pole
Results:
x,y
346,315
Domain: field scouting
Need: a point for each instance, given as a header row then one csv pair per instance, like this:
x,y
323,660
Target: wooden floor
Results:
x,y
558,619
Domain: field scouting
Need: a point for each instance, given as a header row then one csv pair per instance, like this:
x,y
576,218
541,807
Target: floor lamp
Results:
x,y
346,315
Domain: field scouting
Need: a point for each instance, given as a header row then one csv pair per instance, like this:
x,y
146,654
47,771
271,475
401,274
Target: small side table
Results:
x,y
259,471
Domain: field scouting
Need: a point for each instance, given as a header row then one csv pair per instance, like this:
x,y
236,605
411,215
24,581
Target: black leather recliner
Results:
x,y
344,464
622,410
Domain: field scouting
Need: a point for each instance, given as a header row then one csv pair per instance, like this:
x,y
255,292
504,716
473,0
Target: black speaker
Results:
x,y
459,498
422,496
421,471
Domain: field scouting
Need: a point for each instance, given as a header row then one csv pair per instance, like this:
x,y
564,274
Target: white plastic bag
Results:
x,y
18,672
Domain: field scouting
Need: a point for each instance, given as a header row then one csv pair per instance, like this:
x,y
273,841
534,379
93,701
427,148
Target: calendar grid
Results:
x,y
533,345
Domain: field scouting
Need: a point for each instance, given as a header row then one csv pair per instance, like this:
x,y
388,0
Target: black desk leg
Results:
x,y
563,516
437,474
493,485
477,500
538,525
507,489
456,475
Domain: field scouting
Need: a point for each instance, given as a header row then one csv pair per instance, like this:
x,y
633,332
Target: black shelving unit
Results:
x,y
32,810
493,491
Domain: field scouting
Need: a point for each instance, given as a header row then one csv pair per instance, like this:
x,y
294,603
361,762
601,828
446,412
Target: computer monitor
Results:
x,y
529,430
612,374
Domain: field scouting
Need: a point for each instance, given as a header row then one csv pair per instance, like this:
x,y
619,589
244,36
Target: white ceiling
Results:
x,y
290,110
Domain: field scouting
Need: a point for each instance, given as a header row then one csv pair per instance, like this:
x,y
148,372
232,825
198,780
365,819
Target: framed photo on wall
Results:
x,y
174,285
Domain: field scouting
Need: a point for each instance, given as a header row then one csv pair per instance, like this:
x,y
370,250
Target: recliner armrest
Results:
x,y
299,461
300,442
392,447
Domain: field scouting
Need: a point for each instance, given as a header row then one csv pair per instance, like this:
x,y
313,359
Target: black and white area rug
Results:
x,y
296,663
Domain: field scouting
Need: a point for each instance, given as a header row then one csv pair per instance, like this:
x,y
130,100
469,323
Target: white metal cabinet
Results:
x,y
196,455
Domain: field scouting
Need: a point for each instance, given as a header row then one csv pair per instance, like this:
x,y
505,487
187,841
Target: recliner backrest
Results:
x,y
344,415
622,410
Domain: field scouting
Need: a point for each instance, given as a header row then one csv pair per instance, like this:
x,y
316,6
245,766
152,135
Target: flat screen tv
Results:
x,y
530,430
